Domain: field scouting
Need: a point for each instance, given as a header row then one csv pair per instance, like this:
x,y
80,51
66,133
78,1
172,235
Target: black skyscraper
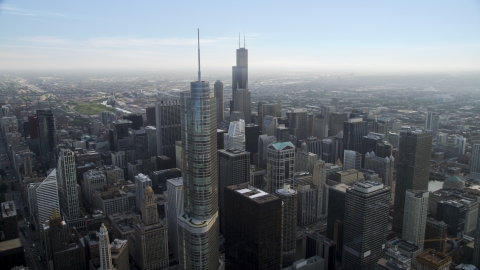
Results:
x,y
218,92
252,132
137,120
46,135
353,131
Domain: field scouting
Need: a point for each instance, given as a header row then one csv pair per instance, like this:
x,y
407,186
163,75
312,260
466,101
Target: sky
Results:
x,y
296,36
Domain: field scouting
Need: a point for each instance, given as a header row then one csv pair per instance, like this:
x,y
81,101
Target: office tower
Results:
x,y
305,161
168,127
336,122
336,214
413,170
107,117
9,220
377,143
141,183
313,243
243,103
151,236
431,122
394,139
297,119
319,179
218,93
173,209
236,116
320,127
151,119
352,160
140,144
289,198
269,125
366,224
151,133
263,142
118,159
415,216
46,198
431,260
59,246
253,228
92,180
137,120
282,133
67,187
384,167
33,126
198,224
453,213
160,178
252,132
119,139
336,103
46,134
257,177
461,142
476,252
240,93
119,251
353,131
306,199
104,248
235,138
274,110
314,145
327,148
233,169
281,165
435,230
475,163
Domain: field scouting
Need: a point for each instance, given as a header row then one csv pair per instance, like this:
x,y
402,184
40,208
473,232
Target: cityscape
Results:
x,y
237,168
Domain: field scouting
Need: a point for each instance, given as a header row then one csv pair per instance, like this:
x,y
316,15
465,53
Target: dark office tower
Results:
x,y
336,103
198,224
240,94
151,117
218,92
366,224
233,169
120,129
336,123
137,120
9,220
167,114
252,132
253,228
263,142
289,198
221,138
413,170
243,103
314,145
336,213
280,165
274,110
353,131
46,135
320,127
298,125
453,213
33,123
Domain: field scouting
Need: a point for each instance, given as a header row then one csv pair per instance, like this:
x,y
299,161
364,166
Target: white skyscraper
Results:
x,y
235,138
352,160
67,180
47,198
475,163
415,216
461,142
104,248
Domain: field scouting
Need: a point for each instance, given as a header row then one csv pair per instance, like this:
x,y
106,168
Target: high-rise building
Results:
x,y
67,185
136,119
151,119
9,220
353,131
151,133
242,102
198,224
151,236
431,122
475,163
107,117
415,216
46,198
92,180
336,122
274,110
476,252
46,135
233,169
319,179
263,142
297,119
384,167
141,183
431,260
33,126
218,92
289,198
336,215
281,165
314,243
352,160
253,228
461,142
252,132
235,138
377,143
240,93
104,248
269,125
119,159
366,224
320,127
454,214
413,170
174,207
168,127
119,251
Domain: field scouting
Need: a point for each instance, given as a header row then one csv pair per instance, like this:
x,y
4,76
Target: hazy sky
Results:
x,y
281,35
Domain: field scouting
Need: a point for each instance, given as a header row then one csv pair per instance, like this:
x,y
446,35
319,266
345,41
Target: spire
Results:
x,y
199,73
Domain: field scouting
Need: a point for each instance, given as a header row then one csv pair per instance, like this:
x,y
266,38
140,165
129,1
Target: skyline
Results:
x,y
369,37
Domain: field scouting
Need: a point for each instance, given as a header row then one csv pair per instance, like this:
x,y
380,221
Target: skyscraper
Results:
x,y
475,163
352,160
415,216
47,198
141,182
235,138
104,248
253,228
289,198
218,92
297,119
384,167
336,215
198,224
174,207
461,142
431,122
67,179
252,132
476,252
263,142
413,170
46,135
240,93
366,224
281,165
168,127
353,131
233,168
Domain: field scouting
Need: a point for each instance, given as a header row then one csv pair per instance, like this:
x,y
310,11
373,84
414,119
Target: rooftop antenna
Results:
x,y
199,73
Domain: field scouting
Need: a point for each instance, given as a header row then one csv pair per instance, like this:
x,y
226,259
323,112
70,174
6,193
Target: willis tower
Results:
x,y
240,94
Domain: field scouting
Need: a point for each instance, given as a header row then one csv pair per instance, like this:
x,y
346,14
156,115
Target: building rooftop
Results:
x,y
10,244
118,243
8,209
255,194
367,186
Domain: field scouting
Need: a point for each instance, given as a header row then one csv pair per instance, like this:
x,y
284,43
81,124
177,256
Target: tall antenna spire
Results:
x,y
199,73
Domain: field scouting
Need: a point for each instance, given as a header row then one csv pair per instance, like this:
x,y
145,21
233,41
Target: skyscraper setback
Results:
x,y
198,224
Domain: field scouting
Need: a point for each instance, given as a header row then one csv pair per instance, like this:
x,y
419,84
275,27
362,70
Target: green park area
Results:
x,y
91,108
